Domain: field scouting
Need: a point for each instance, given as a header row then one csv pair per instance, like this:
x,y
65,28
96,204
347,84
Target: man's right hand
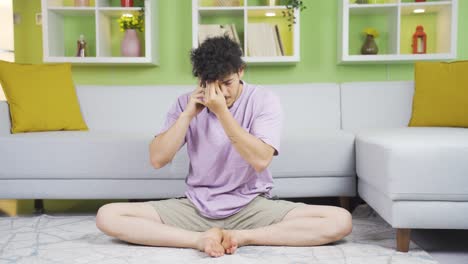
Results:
x,y
195,104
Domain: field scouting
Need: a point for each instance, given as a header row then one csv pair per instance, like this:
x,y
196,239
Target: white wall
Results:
x,y
6,34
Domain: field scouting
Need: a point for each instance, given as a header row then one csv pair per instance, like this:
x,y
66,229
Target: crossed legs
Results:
x,y
308,225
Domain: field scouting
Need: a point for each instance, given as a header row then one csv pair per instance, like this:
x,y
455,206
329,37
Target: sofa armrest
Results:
x,y
5,124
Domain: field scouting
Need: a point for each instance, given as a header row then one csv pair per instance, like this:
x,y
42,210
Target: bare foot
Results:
x,y
230,241
210,242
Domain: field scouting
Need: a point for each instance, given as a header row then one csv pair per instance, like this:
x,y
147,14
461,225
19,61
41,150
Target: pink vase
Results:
x,y
130,46
81,2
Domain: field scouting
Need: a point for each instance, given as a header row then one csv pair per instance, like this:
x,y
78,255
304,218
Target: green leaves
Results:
x,y
292,5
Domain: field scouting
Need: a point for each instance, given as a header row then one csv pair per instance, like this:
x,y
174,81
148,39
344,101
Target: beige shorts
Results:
x,y
181,213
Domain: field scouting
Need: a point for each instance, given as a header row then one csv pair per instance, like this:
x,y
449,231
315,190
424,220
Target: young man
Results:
x,y
232,131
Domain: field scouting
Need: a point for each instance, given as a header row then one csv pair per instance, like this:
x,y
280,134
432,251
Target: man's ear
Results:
x,y
241,73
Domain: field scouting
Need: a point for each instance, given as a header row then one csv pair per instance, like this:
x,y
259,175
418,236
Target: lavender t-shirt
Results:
x,y
220,182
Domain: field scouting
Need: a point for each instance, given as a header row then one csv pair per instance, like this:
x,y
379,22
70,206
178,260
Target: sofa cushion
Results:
x,y
321,154
83,155
415,163
372,105
308,108
41,97
133,109
100,155
4,119
144,108
441,94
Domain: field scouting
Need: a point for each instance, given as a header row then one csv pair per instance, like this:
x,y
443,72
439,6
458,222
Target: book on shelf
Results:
x,y
236,36
212,30
279,40
264,39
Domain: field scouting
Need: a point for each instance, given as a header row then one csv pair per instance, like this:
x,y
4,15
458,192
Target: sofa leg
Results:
x,y
345,203
403,239
38,206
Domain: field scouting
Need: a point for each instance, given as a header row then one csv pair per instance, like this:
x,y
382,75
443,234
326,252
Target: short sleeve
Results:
x,y
267,123
173,114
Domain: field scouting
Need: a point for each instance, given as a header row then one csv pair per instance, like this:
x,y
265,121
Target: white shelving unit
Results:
x,y
395,20
245,12
100,26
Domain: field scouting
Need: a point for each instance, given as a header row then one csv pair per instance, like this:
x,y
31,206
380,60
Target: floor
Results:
x,y
445,246
74,239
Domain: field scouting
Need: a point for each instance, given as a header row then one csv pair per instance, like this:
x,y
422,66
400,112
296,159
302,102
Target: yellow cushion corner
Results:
x,y
441,94
41,97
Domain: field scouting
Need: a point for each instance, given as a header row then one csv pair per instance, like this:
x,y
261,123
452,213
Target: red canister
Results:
x,y
126,3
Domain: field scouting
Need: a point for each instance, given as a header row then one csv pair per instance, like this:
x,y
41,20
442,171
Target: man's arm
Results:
x,y
256,152
164,147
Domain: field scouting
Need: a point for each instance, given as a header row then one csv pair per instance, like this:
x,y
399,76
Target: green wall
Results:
x,y
318,60
318,50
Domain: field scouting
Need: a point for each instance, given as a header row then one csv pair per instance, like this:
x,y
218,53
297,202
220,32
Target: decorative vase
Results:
x,y
126,3
130,46
369,46
81,2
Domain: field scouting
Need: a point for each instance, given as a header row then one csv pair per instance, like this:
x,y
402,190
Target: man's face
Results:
x,y
231,87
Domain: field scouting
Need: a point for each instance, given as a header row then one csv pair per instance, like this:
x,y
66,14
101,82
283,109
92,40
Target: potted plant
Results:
x,y
130,24
292,5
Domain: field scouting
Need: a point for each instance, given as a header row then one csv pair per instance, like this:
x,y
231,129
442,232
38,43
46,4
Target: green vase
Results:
x,y
369,47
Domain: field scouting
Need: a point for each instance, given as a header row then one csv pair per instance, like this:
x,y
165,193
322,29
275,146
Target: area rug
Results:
x,y
74,239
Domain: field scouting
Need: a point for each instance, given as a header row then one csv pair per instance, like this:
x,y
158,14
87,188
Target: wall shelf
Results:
x,y
63,23
396,22
243,12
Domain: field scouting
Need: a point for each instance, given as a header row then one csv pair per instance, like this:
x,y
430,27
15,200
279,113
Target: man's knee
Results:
x,y
104,218
344,224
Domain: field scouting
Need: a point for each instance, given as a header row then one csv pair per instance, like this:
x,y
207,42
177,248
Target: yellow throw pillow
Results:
x,y
41,97
441,94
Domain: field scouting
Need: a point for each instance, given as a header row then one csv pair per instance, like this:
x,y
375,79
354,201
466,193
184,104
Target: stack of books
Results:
x,y
212,30
264,39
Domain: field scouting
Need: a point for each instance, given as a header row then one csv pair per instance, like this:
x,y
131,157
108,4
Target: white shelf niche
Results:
x,y
240,15
63,23
441,46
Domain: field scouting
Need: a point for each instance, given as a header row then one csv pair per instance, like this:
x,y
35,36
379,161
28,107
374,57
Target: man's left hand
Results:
x,y
214,98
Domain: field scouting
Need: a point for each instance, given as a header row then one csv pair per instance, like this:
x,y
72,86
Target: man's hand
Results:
x,y
214,98
195,104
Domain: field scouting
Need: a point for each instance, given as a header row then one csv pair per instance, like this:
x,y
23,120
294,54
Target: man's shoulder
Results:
x,y
263,94
185,96
260,91
183,99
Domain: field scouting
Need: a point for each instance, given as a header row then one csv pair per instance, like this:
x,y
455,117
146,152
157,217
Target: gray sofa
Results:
x,y
413,177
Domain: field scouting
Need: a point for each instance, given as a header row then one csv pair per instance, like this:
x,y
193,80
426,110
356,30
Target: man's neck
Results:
x,y
241,88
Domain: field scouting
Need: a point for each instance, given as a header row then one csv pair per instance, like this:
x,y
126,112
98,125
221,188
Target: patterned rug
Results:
x,y
74,239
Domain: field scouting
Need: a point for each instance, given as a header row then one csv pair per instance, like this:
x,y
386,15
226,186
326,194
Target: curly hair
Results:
x,y
216,58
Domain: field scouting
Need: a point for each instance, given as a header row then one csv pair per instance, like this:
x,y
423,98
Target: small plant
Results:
x,y
130,21
371,32
292,5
